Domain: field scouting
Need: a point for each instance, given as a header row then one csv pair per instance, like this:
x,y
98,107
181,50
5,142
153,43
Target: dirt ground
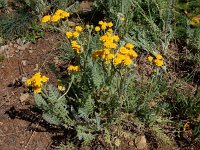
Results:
x,y
17,120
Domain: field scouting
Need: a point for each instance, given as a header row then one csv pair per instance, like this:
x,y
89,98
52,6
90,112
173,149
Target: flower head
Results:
x,y
59,12
36,82
65,14
129,46
69,34
46,18
150,58
78,29
76,34
159,62
110,24
158,56
72,68
55,18
97,28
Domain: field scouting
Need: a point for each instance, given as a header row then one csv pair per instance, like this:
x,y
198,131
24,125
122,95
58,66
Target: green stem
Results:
x,y
70,84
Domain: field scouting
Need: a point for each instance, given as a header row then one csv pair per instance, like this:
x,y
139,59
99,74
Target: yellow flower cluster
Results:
x,y
36,82
111,51
109,40
57,16
103,25
158,60
72,68
75,34
76,47
124,56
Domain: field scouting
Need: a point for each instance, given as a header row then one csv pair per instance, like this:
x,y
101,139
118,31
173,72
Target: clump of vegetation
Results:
x,y
118,69
3,3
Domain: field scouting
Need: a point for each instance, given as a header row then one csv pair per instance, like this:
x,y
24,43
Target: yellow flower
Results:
x,y
110,30
97,28
78,29
36,82
117,61
101,22
110,24
110,56
55,18
104,26
129,46
121,56
123,50
72,68
44,79
76,34
132,53
46,18
106,51
122,18
116,38
158,56
37,90
127,61
159,62
65,14
76,47
150,58
59,12
69,34
113,45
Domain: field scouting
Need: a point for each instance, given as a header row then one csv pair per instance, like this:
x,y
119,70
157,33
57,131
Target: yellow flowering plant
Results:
x,y
100,78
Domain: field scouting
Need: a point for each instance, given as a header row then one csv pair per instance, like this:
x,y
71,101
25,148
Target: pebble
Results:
x,y
10,44
24,62
3,48
141,142
24,97
21,47
15,45
24,79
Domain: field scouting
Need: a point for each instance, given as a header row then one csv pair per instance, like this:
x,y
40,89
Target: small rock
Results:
x,y
15,45
30,51
4,47
27,45
24,62
24,97
141,143
85,6
10,44
22,48
56,60
24,79
20,42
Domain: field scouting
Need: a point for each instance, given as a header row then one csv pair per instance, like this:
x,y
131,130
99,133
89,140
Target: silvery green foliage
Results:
x,y
3,3
148,23
57,110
